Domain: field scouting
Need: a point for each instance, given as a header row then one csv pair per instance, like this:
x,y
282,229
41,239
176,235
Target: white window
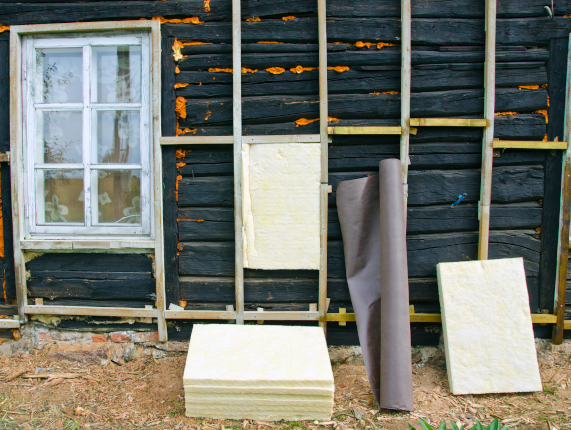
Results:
x,y
87,156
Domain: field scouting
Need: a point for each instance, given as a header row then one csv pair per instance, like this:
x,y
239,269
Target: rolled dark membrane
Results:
x,y
358,208
395,357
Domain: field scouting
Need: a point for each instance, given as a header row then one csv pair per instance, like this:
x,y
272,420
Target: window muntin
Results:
x,y
87,135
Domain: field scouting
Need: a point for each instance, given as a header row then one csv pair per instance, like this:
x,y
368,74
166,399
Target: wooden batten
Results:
x,y
6,323
487,142
363,130
405,95
201,315
449,122
527,144
237,141
92,311
281,316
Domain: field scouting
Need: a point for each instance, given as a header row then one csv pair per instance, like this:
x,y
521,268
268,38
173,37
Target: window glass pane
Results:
x,y
63,196
118,74
119,196
117,136
59,75
59,136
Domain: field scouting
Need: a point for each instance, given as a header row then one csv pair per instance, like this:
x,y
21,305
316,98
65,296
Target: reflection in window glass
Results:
x,y
59,77
119,196
63,195
118,70
117,136
58,137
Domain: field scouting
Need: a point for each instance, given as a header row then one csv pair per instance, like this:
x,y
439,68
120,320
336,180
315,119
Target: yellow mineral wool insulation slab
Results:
x,y
262,397
249,391
257,356
280,186
260,416
488,333
260,403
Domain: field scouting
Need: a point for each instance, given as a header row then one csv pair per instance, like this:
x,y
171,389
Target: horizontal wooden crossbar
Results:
x,y
250,140
529,144
248,315
91,311
200,315
448,122
436,318
9,323
133,246
364,130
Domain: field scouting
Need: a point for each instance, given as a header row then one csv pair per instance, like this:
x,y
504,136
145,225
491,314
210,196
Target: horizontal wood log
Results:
x,y
9,310
217,224
424,252
272,109
425,31
352,82
369,59
104,303
92,289
509,185
91,266
522,126
216,289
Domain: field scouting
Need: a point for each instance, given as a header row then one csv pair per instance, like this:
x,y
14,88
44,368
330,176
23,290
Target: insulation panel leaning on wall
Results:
x,y
280,185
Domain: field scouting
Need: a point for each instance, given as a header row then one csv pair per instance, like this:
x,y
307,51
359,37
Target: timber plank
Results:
x,y
272,109
426,187
92,289
264,83
84,263
217,259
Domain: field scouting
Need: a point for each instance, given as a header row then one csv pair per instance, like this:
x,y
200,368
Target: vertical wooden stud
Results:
x,y
237,133
405,94
323,120
564,219
487,143
158,180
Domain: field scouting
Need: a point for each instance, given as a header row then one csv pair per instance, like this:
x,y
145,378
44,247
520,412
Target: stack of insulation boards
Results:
x,y
259,372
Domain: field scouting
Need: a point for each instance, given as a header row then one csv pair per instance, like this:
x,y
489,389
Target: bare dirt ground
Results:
x,y
148,393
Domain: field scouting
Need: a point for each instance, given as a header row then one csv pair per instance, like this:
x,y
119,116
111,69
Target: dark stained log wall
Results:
x,y
447,80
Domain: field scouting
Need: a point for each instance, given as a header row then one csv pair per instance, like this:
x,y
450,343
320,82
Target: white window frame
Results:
x,y
34,203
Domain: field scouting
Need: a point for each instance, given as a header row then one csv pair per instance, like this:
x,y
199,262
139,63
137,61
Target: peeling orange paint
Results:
x,y
288,18
217,70
246,70
178,178
190,20
545,138
528,87
181,153
180,85
179,165
253,19
182,303
4,28
280,43
360,44
376,93
381,44
208,113
176,70
275,70
339,69
300,69
544,113
506,113
186,130
190,219
206,5
176,47
180,107
331,119
304,121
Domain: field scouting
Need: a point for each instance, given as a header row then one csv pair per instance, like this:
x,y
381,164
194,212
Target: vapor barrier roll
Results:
x,y
360,212
396,364
358,208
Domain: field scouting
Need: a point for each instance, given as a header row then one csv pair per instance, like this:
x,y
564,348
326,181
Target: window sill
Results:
x,y
86,245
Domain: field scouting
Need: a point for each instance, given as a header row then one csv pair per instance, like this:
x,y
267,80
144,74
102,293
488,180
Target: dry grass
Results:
x,y
147,393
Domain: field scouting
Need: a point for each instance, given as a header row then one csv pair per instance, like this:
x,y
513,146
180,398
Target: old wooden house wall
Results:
x,y
447,80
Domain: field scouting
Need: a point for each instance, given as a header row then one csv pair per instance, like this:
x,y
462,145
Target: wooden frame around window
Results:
x,y
22,244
